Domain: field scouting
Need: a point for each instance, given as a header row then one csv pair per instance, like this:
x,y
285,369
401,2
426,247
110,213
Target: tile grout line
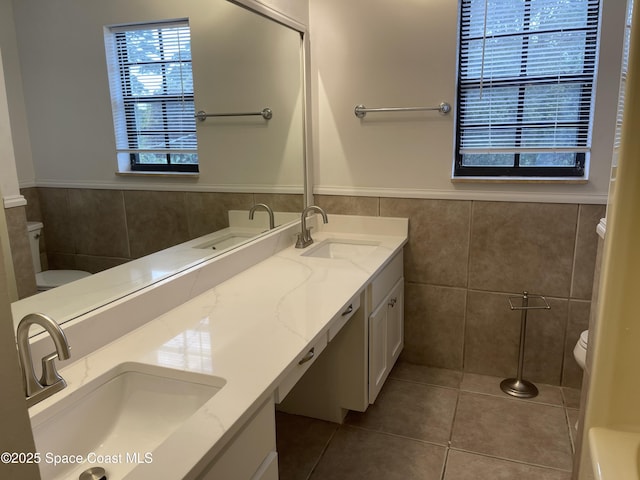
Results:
x,y
444,464
506,459
514,399
453,421
416,382
575,251
324,450
472,208
397,435
496,395
569,427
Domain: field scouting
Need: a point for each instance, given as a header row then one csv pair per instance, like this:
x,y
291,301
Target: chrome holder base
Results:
x,y
518,388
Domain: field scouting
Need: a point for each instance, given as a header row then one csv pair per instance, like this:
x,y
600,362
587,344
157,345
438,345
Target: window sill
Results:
x,y
159,174
539,180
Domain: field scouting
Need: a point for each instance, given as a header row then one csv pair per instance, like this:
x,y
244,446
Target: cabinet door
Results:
x,y
395,322
378,358
250,453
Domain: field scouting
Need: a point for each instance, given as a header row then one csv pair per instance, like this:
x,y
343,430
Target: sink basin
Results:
x,y
226,241
345,249
118,418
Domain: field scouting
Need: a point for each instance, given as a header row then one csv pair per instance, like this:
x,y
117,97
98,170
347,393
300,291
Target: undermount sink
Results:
x,y
341,249
116,420
226,241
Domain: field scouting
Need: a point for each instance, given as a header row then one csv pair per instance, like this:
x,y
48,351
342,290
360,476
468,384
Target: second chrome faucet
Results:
x,y
304,237
268,210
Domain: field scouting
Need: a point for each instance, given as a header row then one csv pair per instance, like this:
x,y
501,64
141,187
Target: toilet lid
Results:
x,y
55,278
584,338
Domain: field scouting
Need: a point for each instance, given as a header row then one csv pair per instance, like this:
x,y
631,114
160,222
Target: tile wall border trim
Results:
x,y
11,201
171,184
534,197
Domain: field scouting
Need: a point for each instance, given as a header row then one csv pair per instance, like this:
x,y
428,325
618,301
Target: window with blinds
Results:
x,y
526,77
151,86
623,82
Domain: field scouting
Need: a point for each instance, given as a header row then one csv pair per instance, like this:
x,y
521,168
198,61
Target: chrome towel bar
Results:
x,y
266,113
361,110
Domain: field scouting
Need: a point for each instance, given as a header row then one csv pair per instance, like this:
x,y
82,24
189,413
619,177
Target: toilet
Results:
x,y
580,354
580,350
50,278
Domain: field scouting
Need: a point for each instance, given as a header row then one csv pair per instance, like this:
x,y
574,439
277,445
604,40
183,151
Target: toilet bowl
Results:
x,y
580,350
49,278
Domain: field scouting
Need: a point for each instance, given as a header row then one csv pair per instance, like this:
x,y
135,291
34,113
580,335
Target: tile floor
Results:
x,y
435,424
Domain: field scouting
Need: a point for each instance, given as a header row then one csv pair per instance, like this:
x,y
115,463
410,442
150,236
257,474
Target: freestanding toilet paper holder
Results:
x,y
517,387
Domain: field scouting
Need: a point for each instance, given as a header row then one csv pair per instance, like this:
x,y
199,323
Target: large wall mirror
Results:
x,y
133,230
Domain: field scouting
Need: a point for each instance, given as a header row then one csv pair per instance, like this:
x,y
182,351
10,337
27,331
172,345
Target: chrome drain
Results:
x,y
94,473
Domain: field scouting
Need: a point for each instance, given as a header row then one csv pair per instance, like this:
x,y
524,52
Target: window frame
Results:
x,y
585,116
122,81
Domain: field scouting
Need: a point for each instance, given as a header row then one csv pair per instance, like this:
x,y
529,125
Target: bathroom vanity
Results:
x,y
266,326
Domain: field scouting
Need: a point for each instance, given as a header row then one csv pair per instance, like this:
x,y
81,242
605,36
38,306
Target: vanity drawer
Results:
x,y
302,365
343,317
385,280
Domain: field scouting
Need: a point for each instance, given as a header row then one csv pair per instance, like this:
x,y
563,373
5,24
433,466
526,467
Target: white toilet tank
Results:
x,y
35,229
580,350
50,278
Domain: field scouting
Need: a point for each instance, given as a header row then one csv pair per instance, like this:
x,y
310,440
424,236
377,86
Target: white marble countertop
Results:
x,y
248,330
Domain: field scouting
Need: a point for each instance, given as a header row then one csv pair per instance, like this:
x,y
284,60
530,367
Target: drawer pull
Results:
x,y
348,310
307,357
393,301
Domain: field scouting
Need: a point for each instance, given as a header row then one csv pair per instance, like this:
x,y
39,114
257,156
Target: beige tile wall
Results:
x,y
463,260
20,251
95,229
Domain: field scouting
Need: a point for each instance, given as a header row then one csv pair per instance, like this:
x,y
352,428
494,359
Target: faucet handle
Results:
x,y
50,375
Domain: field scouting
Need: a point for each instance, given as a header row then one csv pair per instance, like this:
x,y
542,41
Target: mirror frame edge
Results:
x,y
303,30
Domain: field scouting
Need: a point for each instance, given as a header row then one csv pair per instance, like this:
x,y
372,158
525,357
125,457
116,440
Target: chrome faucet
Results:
x,y
269,211
50,382
304,237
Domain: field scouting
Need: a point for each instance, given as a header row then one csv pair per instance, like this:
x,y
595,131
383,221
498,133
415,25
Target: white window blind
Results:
x,y
151,86
525,86
623,77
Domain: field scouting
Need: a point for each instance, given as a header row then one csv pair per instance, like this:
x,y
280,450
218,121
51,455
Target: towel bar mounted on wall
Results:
x,y
266,113
361,110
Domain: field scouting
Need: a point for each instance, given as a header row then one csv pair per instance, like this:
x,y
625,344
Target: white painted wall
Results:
x,y
8,179
235,69
403,53
15,101
8,187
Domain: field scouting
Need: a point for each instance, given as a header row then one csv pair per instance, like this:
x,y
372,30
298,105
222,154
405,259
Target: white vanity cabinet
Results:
x,y
386,323
343,369
365,340
327,331
251,453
